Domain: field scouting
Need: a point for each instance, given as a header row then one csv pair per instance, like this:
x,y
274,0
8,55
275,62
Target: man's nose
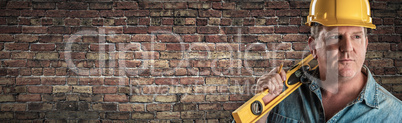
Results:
x,y
345,44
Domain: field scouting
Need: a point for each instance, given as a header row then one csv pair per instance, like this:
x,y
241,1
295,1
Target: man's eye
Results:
x,y
335,37
357,36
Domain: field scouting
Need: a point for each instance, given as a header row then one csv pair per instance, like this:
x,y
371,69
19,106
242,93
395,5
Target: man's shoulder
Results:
x,y
384,96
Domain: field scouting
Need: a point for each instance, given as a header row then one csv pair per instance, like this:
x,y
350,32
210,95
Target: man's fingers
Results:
x,y
283,75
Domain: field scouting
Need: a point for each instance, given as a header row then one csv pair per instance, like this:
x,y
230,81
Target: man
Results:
x,y
344,89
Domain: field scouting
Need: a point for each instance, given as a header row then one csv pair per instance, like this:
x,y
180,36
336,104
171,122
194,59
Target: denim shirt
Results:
x,y
374,104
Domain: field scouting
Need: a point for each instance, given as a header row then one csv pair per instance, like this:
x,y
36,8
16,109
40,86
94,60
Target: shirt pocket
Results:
x,y
277,118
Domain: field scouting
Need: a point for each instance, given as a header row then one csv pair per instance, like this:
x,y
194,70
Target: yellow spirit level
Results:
x,y
254,109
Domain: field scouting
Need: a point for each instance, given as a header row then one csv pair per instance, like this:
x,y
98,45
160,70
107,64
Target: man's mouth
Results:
x,y
346,60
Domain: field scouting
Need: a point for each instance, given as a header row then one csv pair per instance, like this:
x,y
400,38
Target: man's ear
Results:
x,y
312,46
366,42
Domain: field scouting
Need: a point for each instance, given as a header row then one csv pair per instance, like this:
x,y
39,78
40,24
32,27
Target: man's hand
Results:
x,y
272,81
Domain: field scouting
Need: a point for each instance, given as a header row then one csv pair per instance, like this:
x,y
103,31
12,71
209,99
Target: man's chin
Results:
x,y
346,74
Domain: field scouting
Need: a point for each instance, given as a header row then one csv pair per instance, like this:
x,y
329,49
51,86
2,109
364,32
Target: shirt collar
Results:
x,y
369,93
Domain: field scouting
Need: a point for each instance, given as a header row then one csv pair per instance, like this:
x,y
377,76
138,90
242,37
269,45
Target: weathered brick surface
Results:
x,y
148,61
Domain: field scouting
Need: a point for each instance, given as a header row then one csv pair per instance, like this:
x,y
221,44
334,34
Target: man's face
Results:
x,y
340,50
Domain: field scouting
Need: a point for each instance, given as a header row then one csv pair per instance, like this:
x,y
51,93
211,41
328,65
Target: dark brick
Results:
x,y
26,115
118,115
67,106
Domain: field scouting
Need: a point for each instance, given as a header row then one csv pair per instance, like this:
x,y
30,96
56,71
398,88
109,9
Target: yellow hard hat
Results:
x,y
340,13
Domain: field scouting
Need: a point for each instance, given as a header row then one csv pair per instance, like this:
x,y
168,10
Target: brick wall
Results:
x,y
148,61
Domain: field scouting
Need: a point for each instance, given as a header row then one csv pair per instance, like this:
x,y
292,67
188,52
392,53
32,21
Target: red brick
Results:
x,y
251,5
116,81
168,38
155,89
184,29
72,22
225,5
56,13
100,5
83,13
136,13
91,81
6,37
22,21
216,38
28,97
286,29
209,13
141,37
44,5
291,12
27,81
144,21
202,21
128,46
277,4
120,21
115,98
383,30
295,37
50,39
261,30
153,46
16,46
7,81
166,81
59,30
53,80
192,38
300,4
208,106
167,21
390,38
72,5
18,5
199,5
296,55
14,107
26,38
158,107
5,55
97,22
34,30
231,106
135,30
104,90
12,13
159,29
146,55
192,81
378,46
175,5
300,46
125,5
72,55
236,13
381,63
151,5
192,98
15,63
43,47
10,29
33,13
40,89
235,30
238,97
207,30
